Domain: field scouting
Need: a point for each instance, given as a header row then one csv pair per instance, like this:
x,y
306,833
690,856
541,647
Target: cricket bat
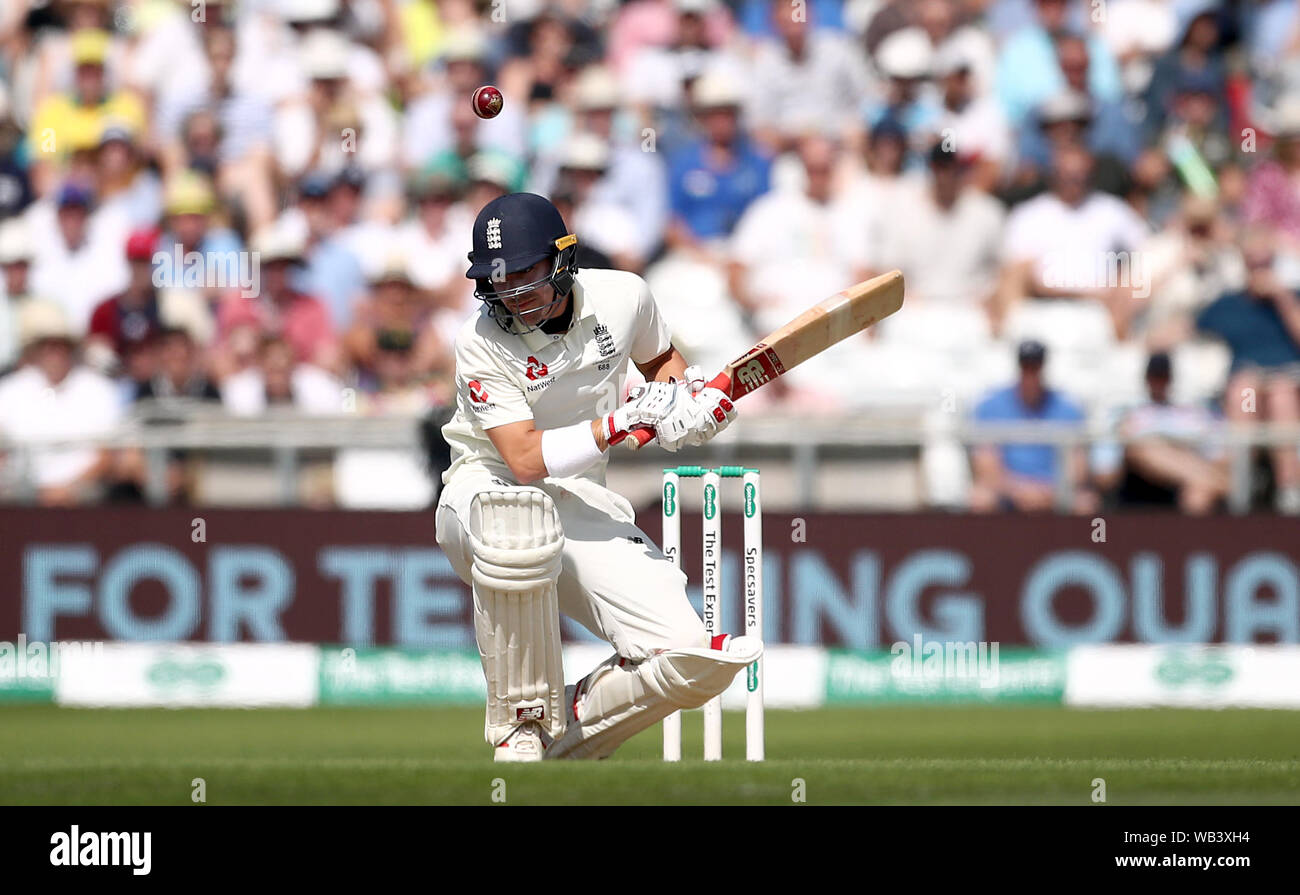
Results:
x,y
812,332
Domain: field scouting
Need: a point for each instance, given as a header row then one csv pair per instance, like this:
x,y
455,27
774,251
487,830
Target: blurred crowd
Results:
x,y
255,203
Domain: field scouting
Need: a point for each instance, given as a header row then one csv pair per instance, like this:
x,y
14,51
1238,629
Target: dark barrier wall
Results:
x,y
837,579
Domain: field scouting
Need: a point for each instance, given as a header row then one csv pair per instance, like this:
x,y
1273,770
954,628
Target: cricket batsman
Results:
x,y
524,515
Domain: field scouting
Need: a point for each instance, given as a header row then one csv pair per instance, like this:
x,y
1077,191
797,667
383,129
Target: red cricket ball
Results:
x,y
487,102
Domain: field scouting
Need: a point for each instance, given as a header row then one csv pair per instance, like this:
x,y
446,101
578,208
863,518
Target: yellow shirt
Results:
x,y
61,125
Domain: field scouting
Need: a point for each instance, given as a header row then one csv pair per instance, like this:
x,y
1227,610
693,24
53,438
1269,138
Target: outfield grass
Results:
x,y
977,755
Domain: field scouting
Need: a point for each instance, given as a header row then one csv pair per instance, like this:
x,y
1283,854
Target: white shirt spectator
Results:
x,y
980,131
796,252
84,405
946,255
78,279
790,95
1072,246
314,392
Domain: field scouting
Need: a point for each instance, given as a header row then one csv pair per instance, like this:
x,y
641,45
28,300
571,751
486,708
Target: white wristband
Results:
x,y
570,450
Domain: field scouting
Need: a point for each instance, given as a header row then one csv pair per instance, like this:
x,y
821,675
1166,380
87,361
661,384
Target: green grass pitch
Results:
x,y
915,755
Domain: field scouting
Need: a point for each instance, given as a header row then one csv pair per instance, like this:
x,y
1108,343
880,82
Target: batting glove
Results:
x,y
646,406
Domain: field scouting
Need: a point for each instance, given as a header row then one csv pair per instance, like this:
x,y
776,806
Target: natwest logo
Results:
x,y
477,393
536,369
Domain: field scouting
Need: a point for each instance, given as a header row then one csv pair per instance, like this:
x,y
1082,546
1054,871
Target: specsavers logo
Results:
x,y
710,502
171,672
1182,667
749,500
670,499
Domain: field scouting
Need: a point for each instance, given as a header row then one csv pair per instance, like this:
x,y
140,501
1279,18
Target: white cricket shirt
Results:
x,y
555,380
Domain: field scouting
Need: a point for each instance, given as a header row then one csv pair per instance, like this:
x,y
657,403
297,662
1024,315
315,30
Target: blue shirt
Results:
x,y
1253,329
1028,72
334,275
1032,461
711,200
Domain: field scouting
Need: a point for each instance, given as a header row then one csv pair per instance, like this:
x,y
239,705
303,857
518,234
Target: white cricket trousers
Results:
x,y
614,580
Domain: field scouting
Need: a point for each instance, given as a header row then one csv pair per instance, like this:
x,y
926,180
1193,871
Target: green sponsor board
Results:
x,y
963,673
377,676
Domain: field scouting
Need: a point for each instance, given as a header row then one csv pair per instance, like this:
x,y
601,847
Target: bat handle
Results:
x,y
640,437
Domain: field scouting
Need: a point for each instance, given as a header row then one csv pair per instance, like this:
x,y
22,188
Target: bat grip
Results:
x,y
642,436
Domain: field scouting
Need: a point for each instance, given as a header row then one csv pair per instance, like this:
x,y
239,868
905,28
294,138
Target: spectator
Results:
x,y
239,159
1070,242
190,227
634,179
329,268
606,226
433,120
1024,477
277,381
15,182
1028,70
950,213
1191,262
53,396
66,121
78,260
1107,130
395,306
280,310
1196,53
801,77
15,262
1174,453
432,241
713,180
906,60
179,373
1261,326
1272,192
973,124
123,327
125,182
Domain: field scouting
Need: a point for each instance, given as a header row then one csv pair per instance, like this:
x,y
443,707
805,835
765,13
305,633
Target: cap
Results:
x,y
314,185
118,131
1031,352
1285,117
305,11
277,244
1065,105
90,46
1159,366
188,193
906,53
889,127
695,7
73,193
350,175
394,270
40,319
15,241
716,89
324,54
953,56
464,45
597,89
492,167
140,245
585,152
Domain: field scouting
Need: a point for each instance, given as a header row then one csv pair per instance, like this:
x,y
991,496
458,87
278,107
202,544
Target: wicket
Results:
x,y
712,593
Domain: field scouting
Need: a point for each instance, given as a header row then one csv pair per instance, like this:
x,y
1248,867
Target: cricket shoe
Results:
x,y
526,742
